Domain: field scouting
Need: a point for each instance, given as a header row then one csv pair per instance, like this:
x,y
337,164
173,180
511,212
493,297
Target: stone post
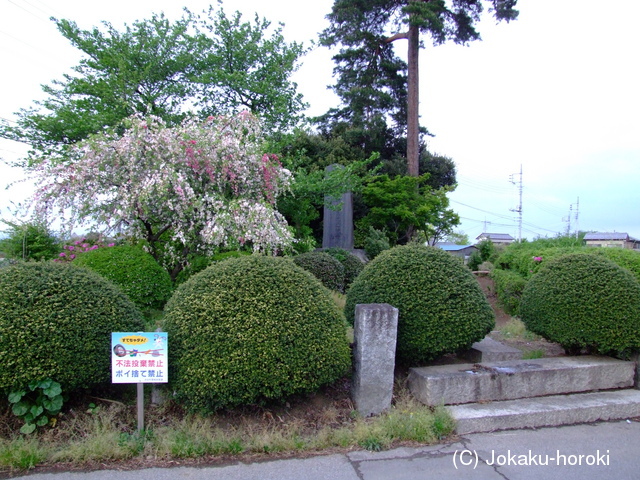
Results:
x,y
375,333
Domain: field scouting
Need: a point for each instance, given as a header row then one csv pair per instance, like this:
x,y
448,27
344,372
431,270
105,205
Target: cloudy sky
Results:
x,y
554,95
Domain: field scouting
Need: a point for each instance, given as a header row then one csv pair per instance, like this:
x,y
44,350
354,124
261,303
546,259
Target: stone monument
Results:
x,y
337,230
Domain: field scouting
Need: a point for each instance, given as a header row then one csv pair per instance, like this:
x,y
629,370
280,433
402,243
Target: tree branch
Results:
x,y
397,36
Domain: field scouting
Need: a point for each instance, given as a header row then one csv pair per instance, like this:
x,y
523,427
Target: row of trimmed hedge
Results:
x,y
519,262
584,298
242,331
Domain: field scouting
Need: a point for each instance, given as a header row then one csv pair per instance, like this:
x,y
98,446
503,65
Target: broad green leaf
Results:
x,y
42,421
28,428
36,410
53,404
53,390
20,408
15,397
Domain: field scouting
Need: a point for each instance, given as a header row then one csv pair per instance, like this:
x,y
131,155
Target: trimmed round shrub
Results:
x,y
584,301
353,266
324,267
441,306
135,271
56,322
197,263
625,258
252,329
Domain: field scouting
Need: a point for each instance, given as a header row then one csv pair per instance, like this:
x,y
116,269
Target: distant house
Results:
x,y
496,238
615,240
462,251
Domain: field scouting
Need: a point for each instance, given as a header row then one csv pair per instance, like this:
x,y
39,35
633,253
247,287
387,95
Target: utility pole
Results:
x,y
577,210
568,217
518,209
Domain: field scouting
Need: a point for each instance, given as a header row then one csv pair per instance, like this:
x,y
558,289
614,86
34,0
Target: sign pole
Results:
x,y
140,407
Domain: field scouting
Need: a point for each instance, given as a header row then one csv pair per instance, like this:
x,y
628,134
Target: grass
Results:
x,y
84,435
530,354
516,329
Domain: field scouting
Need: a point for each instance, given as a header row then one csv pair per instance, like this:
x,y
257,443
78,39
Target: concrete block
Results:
x,y
490,350
495,381
375,333
546,411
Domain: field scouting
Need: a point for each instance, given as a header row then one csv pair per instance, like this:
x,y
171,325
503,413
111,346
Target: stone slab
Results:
x,y
490,350
508,380
549,411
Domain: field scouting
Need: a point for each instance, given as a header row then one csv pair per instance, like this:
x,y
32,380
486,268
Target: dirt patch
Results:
x,y
487,286
530,343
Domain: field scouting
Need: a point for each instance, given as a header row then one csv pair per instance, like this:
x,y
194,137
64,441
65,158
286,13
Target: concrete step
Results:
x,y
546,411
508,380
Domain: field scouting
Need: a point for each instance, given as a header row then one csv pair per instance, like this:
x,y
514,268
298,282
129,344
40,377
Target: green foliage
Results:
x,y
197,263
38,404
441,306
629,259
584,301
375,243
475,259
371,77
55,322
135,271
487,250
458,238
324,267
509,287
210,64
29,241
398,205
252,329
352,264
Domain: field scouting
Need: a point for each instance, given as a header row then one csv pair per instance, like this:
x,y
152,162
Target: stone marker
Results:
x,y
337,225
375,333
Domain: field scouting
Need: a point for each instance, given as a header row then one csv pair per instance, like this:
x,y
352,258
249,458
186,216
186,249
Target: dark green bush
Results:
x,y
197,263
324,267
584,301
252,329
56,322
441,306
629,259
475,260
509,287
375,243
353,266
146,283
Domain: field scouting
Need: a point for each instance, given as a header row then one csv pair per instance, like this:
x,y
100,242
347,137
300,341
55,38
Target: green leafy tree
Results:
x,y
29,241
373,82
399,204
458,238
213,64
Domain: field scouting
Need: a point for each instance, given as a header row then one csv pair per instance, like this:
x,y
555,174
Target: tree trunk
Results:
x,y
413,101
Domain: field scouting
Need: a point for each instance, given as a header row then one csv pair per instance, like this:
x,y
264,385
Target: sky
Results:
x,y
554,95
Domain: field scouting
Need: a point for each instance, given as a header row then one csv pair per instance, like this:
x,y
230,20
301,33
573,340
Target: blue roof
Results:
x,y
454,248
